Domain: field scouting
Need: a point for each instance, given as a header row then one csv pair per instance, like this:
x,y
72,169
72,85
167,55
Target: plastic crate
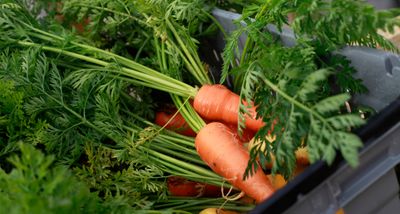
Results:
x,y
384,4
372,187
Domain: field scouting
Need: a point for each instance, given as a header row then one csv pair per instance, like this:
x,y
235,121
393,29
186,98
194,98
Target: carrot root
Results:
x,y
218,146
218,103
177,123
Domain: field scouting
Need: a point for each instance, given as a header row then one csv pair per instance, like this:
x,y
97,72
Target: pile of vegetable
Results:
x,y
111,106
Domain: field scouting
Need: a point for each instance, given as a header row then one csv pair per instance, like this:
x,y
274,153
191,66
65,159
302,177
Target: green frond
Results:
x,y
350,144
230,53
311,84
35,184
345,121
329,151
185,10
331,104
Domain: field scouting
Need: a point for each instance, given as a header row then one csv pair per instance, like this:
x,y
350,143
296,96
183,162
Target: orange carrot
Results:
x,y
177,123
218,103
179,186
213,210
217,146
247,134
278,181
302,156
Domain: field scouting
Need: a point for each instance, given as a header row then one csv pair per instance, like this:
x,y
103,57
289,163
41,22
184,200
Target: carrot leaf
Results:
x,y
300,90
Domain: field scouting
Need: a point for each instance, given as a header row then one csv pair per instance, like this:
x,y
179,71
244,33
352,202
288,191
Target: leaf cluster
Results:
x,y
301,90
75,119
123,184
36,185
15,122
304,113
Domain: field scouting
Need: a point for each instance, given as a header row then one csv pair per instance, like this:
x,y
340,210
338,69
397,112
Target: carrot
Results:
x,y
302,156
278,181
301,153
218,147
213,210
218,103
79,26
178,186
299,169
247,134
177,123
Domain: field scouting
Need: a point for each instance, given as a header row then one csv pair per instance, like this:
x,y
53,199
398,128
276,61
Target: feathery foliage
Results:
x,y
297,87
36,185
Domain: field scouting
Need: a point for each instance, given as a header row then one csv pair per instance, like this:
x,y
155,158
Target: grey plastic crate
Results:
x,y
370,188
384,4
373,186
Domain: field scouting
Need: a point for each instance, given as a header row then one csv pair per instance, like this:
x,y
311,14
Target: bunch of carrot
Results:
x,y
217,143
221,147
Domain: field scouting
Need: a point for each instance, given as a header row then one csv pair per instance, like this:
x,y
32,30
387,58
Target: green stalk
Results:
x,y
163,58
196,204
124,61
176,147
188,65
154,80
194,60
181,155
173,168
130,129
244,51
191,117
141,48
189,174
145,84
160,151
183,164
158,52
183,141
197,71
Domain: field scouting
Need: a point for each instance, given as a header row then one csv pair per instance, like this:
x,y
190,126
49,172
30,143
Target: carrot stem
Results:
x,y
197,169
194,60
155,80
189,174
181,155
189,114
